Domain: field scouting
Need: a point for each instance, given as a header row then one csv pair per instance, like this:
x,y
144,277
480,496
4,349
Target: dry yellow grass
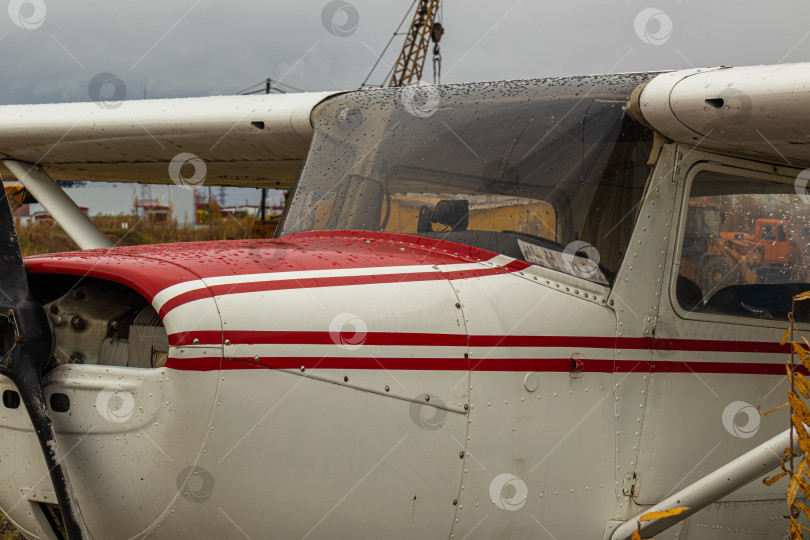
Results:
x,y
47,237
7,530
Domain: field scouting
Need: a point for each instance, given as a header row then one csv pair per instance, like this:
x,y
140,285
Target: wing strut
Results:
x,y
66,212
711,488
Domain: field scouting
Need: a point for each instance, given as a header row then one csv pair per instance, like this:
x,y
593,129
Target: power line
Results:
x,y
250,87
395,34
288,86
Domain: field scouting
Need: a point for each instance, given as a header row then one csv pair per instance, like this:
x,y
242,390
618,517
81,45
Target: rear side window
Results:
x,y
744,247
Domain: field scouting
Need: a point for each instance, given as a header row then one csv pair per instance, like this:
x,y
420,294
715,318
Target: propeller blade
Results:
x,y
25,348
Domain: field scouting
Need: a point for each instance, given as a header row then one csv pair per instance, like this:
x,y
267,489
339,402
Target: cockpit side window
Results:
x,y
745,247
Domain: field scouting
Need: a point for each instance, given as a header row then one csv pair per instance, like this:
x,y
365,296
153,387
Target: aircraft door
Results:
x,y
715,353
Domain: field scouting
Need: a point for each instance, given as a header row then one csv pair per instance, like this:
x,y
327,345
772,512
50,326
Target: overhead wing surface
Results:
x,y
761,111
260,141
248,141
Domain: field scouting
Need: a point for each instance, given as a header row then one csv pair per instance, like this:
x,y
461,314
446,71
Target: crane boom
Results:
x,y
411,60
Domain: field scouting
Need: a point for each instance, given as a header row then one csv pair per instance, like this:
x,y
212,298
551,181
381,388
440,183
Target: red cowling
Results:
x,y
149,269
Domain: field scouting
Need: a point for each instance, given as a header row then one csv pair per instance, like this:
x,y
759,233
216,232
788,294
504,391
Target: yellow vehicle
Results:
x,y
715,259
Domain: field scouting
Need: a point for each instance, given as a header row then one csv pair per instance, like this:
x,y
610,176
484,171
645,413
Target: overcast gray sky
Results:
x,y
205,47
51,51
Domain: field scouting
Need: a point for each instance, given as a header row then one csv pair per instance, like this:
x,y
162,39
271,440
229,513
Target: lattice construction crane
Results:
x,y
423,29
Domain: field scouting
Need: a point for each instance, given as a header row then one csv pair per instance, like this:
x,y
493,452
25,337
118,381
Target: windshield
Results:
x,y
532,169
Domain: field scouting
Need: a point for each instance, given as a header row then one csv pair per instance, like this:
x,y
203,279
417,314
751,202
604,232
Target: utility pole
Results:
x,y
222,196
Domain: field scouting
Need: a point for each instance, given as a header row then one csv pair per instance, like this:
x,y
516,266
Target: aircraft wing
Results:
x,y
761,112
246,141
261,141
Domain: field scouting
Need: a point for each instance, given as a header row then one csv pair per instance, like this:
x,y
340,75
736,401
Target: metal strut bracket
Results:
x,y
709,489
66,212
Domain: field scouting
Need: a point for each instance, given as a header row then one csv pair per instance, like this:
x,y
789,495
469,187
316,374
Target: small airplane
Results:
x,y
519,309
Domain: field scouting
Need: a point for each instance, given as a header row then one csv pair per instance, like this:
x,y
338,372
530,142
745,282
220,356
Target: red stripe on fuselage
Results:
x,y
336,281
281,337
548,365
418,339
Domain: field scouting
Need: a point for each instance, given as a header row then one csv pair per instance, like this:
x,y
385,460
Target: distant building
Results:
x,y
157,202
153,202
